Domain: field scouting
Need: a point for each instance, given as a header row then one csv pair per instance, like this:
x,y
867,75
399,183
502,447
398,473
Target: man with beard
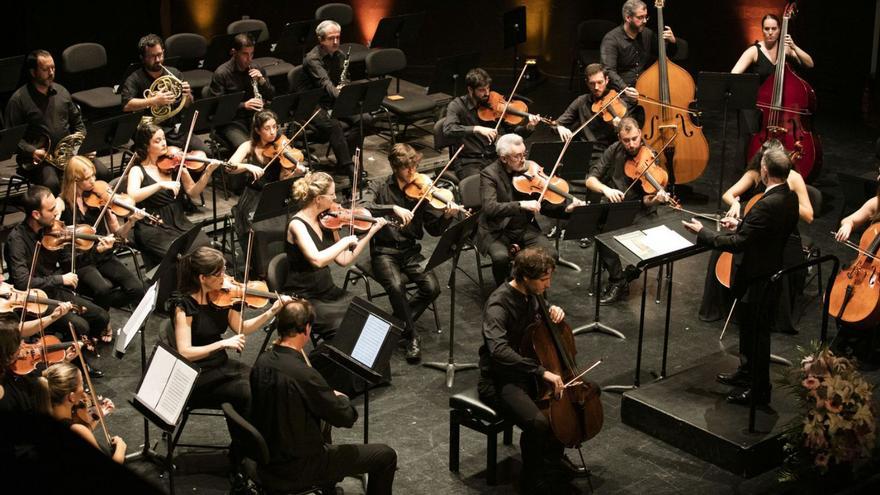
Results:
x,y
462,124
628,49
607,177
51,115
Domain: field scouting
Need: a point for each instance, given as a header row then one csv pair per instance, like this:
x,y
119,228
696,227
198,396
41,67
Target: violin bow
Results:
x,y
247,269
582,373
192,127
354,181
115,188
648,99
528,62
27,295
295,134
98,406
73,230
433,182
555,167
653,161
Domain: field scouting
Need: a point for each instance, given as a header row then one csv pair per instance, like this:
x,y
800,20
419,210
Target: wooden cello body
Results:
x,y
787,104
854,298
670,85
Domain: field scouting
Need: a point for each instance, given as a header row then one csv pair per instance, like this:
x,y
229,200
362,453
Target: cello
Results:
x,y
787,103
672,89
855,296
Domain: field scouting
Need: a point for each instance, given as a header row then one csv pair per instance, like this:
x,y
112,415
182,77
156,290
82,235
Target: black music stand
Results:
x,y
295,108
274,200
360,98
110,134
515,31
398,30
588,221
10,73
296,34
9,139
166,271
449,246
450,71
725,91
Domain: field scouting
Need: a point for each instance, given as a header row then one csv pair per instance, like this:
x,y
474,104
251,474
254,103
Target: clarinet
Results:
x,y
255,84
343,76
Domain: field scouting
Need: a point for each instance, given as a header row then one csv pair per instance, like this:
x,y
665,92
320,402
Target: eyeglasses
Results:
x,y
641,17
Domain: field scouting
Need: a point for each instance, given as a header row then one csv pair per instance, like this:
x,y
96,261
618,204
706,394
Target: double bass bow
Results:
x,y
787,103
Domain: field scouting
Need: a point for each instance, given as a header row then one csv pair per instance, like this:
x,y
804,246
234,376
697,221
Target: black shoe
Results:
x,y
414,350
744,398
614,293
585,242
95,372
739,378
574,470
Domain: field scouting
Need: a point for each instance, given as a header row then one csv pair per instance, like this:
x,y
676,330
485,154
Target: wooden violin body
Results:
x,y
437,197
855,296
122,205
724,264
645,167
614,108
29,355
517,112
533,181
37,303
232,292
289,157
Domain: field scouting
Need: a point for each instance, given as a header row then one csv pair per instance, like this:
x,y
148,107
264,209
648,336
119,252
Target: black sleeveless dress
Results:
x,y
266,232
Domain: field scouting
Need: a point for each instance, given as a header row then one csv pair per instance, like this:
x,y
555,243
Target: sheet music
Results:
x,y
653,242
370,342
166,385
138,317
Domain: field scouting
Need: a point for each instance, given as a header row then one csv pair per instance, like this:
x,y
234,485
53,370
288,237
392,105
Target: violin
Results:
x,y
337,217
855,296
533,181
171,160
122,205
36,303
289,157
31,354
641,168
61,235
517,112
85,412
232,292
577,416
724,265
421,185
611,106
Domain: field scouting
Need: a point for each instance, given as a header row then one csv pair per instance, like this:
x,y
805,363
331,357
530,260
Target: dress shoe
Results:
x,y
744,398
414,350
739,378
575,470
585,242
95,372
614,293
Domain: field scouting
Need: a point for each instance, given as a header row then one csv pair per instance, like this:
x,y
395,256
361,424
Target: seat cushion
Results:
x,y
197,78
359,52
470,401
273,66
102,98
410,104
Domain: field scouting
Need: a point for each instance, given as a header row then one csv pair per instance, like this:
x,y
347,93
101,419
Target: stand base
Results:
x,y
780,360
598,326
450,367
568,264
146,454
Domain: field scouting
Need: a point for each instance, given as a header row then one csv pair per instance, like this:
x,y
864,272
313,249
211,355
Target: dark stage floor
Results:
x,y
412,414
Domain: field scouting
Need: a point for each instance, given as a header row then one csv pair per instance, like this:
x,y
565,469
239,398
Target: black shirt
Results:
x,y
228,79
507,315
461,118
20,252
381,195
626,58
322,70
289,399
139,81
54,115
609,169
22,394
579,111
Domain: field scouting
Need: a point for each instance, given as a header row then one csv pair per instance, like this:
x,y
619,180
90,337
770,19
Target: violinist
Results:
x,y
509,382
760,58
507,218
100,272
200,326
155,189
761,237
395,253
65,384
291,400
259,150
52,273
607,176
311,248
463,124
239,75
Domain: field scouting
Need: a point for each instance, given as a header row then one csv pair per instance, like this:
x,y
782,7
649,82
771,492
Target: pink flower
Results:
x,y
822,460
834,405
811,383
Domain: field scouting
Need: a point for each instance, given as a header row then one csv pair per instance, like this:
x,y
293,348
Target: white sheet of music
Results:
x,y
664,240
166,385
138,317
367,347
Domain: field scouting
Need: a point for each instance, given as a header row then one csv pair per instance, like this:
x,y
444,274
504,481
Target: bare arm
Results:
x,y
748,57
183,338
731,196
194,188
299,235
138,193
805,208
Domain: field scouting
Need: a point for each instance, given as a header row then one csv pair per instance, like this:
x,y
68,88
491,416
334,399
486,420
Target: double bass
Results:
x,y
671,88
787,103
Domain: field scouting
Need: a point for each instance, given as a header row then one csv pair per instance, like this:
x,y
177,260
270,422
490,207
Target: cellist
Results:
x,y
510,383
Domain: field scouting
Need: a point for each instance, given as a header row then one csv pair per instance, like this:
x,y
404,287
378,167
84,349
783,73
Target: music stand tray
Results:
x,y
360,97
110,133
215,111
274,200
10,73
296,106
9,139
449,73
398,30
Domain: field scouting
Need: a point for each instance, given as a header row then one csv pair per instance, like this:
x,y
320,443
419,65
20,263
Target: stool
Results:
x,y
467,409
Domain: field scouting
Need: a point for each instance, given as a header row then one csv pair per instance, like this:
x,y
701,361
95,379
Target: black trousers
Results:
x,y
228,382
394,269
342,143
466,167
339,461
92,322
754,330
110,283
49,176
499,250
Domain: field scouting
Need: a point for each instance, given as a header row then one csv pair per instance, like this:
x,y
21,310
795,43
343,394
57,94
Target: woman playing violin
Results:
x,y
311,249
100,273
761,57
64,382
199,327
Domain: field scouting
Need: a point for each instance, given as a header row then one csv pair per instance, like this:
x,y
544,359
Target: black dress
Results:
x,y
763,67
220,379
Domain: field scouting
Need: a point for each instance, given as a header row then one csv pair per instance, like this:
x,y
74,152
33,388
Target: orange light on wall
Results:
x,y
750,18
203,13
368,13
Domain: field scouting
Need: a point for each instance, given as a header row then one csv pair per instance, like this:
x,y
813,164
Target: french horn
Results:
x,y
170,83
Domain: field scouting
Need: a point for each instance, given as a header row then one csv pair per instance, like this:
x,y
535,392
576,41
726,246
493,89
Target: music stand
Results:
x,y
166,271
515,31
274,200
358,99
9,139
725,91
110,134
587,221
296,108
295,34
398,30
449,71
449,246
10,73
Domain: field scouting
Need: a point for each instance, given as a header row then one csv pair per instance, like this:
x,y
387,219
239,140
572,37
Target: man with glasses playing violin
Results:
x,y
395,253
40,207
507,218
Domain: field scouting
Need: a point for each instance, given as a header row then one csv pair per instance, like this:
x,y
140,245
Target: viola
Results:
x,y
85,412
61,235
644,167
36,303
122,205
171,160
671,88
421,185
614,108
289,157
337,217
787,104
232,292
855,296
517,112
533,181
29,355
724,265
577,416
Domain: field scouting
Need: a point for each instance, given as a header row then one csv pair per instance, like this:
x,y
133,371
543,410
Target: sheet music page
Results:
x,y
664,240
637,243
373,334
173,399
143,310
157,375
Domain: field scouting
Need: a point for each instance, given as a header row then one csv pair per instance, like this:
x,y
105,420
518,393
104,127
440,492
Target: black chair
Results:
x,y
16,185
466,409
589,37
190,49
255,455
407,106
274,66
276,278
82,61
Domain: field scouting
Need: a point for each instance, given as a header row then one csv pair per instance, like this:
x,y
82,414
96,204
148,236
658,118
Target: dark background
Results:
x,y
838,38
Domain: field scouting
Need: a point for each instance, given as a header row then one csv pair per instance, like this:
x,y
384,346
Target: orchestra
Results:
x,y
68,276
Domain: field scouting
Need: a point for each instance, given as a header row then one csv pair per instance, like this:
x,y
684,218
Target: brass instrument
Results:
x,y
343,76
64,150
168,82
